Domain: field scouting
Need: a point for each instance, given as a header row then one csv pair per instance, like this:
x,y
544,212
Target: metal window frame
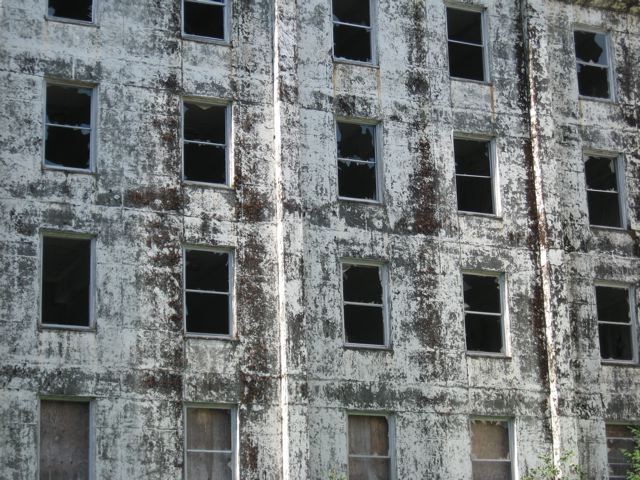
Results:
x,y
233,409
372,28
484,22
226,6
92,23
93,127
511,428
391,423
230,252
620,423
610,61
633,320
619,163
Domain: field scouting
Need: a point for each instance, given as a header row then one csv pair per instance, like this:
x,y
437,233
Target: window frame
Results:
x,y
383,268
226,5
620,165
377,145
493,169
391,423
92,428
92,327
228,134
373,27
633,321
606,438
93,129
610,63
231,321
235,425
484,23
504,313
92,23
513,446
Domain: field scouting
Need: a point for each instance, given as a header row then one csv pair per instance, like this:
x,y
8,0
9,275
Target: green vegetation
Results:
x,y
548,471
633,456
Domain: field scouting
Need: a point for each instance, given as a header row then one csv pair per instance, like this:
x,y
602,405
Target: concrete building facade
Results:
x,y
285,368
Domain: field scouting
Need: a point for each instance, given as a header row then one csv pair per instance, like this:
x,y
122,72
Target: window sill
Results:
x,y
492,216
67,328
606,228
360,200
210,40
610,101
81,171
487,83
211,336
72,21
346,61
502,356
619,363
218,186
365,346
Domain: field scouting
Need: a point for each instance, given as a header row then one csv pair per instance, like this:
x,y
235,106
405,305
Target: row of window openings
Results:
x,y
211,445
208,300
205,156
353,38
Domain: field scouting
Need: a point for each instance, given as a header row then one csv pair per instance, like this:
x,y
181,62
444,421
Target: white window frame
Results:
x,y
609,67
511,425
633,319
377,145
92,429
620,184
231,294
226,5
93,128
228,134
372,34
391,423
92,278
233,409
504,313
92,23
383,270
620,423
493,170
485,40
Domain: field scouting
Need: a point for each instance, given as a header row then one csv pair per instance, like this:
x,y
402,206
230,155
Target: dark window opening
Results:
x,y
369,452
483,313
68,127
66,281
466,44
207,292
209,443
73,9
205,143
356,146
620,439
614,323
602,191
490,450
205,18
364,310
352,30
474,182
592,62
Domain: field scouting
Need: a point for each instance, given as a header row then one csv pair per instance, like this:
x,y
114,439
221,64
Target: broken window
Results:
x,y
205,18
474,175
615,325
205,143
69,110
352,32
363,290
64,439
490,449
207,291
603,193
357,177
81,10
369,452
66,280
619,439
466,44
483,313
592,62
210,443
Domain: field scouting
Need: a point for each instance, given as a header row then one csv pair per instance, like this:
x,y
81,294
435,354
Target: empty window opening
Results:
x,y
210,443
357,177
81,10
466,44
483,313
207,292
205,143
68,127
592,62
619,439
64,439
364,304
205,18
490,450
352,30
369,452
474,175
66,281
615,326
603,193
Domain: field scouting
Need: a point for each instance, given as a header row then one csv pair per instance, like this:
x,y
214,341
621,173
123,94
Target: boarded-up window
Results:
x,y
483,313
64,440
619,439
490,450
364,308
209,444
369,452
205,143
615,327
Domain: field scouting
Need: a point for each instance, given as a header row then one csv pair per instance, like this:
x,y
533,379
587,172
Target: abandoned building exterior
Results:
x,y
388,239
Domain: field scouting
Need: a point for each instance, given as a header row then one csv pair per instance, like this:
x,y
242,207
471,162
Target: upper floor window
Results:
x,y
352,30
593,64
205,18
603,191
370,452
357,161
78,10
616,307
474,175
483,312
491,449
620,438
210,443
465,29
